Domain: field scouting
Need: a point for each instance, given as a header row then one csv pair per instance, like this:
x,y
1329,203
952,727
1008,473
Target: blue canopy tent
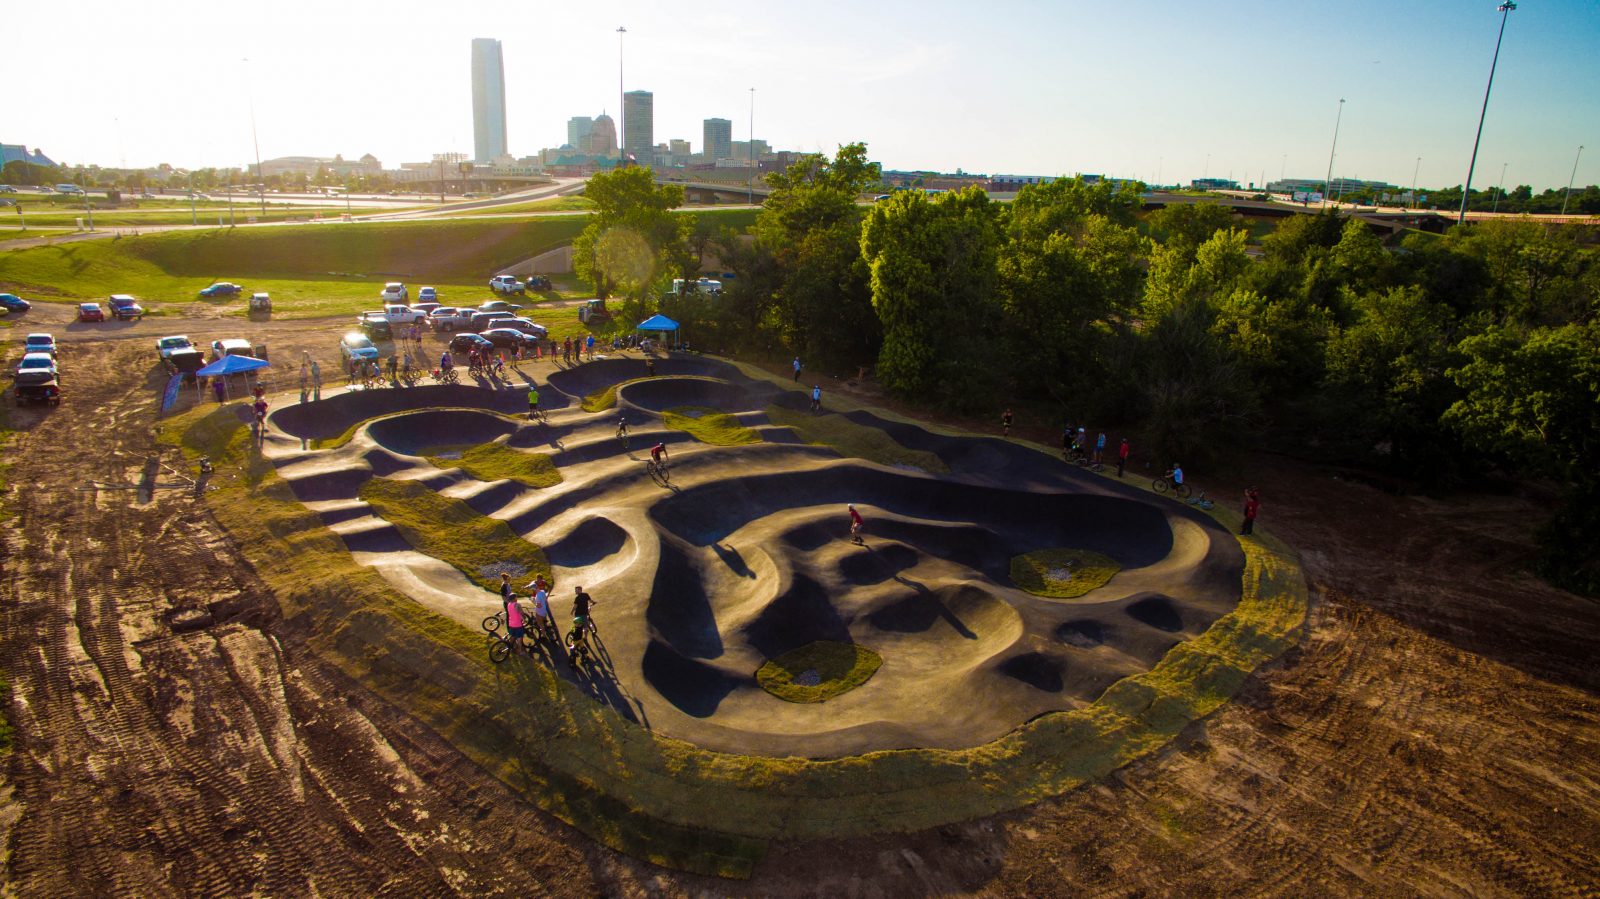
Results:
x,y
661,324
231,365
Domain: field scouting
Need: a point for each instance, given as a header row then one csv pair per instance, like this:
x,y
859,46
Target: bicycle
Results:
x,y
1165,483
658,472
579,652
1203,501
622,437
445,375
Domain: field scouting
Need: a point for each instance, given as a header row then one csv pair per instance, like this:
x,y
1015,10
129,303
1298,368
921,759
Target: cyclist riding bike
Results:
x,y
1177,474
658,453
394,367
622,430
446,361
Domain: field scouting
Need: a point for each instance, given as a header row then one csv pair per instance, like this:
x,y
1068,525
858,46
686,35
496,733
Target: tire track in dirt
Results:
x,y
216,760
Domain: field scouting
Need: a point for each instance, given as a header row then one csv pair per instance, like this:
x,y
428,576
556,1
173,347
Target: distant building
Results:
x,y
638,125
311,165
602,137
1337,187
488,99
579,127
740,150
20,153
718,139
1214,184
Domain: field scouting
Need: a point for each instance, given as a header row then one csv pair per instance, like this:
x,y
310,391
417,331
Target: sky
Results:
x,y
1160,90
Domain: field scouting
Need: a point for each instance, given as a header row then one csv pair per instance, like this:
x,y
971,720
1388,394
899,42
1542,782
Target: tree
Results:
x,y
810,226
634,244
1185,226
933,265
1197,398
1535,397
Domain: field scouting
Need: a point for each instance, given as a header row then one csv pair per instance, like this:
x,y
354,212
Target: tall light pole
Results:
x,y
1466,189
1501,190
1327,183
1570,179
751,198
261,177
622,97
1415,169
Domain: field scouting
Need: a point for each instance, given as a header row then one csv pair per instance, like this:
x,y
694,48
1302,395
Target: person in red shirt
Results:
x,y
855,524
1252,506
1122,456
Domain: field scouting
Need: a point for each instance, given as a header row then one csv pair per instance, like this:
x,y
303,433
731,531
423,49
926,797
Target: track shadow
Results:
x,y
679,609
735,562
697,689
800,615
918,612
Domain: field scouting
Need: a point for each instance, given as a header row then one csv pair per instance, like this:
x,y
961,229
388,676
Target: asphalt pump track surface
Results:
x,y
747,556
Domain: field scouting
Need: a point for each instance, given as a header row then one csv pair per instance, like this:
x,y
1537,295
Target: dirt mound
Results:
x,y
415,433
660,394
334,415
579,381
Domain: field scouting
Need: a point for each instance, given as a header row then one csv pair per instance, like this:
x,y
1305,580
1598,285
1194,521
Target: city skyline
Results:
x,y
488,99
1157,92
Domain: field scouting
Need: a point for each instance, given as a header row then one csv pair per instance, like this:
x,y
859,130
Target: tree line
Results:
x,y
1434,362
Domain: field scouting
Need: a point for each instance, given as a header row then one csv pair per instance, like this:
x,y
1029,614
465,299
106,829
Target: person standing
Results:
x,y
1099,447
514,621
816,398
797,369
1252,506
1122,456
1005,423
316,380
218,389
855,525
588,346
533,401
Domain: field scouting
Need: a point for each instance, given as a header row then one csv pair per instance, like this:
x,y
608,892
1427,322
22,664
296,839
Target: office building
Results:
x,y
602,137
488,100
638,125
718,139
579,127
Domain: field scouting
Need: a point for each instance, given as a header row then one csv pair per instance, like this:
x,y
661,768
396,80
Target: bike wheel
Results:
x,y
499,651
1181,491
492,623
1160,485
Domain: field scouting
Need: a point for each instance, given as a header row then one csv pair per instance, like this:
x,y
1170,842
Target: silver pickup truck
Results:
x,y
449,318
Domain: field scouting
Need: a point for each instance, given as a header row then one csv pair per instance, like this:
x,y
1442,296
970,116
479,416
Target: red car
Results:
x,y
91,312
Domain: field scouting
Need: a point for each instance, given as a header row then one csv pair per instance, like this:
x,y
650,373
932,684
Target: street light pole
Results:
x,y
1327,183
1414,172
1500,191
1570,179
1466,189
622,99
261,177
751,184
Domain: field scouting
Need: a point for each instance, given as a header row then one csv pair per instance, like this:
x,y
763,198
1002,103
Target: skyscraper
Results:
x,y
579,127
719,139
488,100
602,137
639,125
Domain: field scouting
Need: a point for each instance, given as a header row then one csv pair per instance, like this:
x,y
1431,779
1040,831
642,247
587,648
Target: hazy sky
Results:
x,y
1134,88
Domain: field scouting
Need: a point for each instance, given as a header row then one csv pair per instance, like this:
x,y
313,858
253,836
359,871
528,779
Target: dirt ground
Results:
x,y
1437,732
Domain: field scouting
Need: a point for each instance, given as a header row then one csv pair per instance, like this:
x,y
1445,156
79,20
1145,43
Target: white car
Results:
x,y
394,292
505,284
166,346
427,295
39,343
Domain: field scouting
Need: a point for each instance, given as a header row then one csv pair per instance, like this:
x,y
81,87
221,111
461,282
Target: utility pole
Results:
x,y
1466,189
261,177
1571,178
751,198
1501,190
622,99
1327,183
1415,169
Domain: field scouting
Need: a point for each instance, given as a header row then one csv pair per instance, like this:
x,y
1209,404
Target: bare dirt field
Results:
x,y
1437,731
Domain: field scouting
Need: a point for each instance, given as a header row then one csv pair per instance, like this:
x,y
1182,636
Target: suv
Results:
x,y
125,308
394,292
233,347
356,345
505,284
166,346
427,295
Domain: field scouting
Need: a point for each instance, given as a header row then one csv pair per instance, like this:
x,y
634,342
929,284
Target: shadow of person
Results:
x,y
933,602
735,562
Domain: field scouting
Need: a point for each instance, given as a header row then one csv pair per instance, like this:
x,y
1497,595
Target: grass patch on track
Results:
x,y
497,462
1062,573
450,530
709,425
850,439
817,672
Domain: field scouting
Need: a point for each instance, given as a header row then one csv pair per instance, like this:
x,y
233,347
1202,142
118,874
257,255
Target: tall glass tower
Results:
x,y
488,100
638,126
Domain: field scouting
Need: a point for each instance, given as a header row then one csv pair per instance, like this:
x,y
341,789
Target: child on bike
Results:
x,y
622,429
533,402
515,623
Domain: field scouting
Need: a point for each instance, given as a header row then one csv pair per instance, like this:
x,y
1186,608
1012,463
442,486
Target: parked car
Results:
x,y
427,295
7,189
499,306
166,346
397,315
449,318
526,326
537,282
506,337
231,347
46,391
13,303
357,345
377,328
90,312
125,307
464,342
426,308
35,368
505,284
482,321
394,292
222,289
39,343
261,302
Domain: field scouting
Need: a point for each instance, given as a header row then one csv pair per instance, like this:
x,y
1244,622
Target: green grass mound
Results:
x,y
1062,573
601,400
449,530
818,671
497,462
850,439
709,425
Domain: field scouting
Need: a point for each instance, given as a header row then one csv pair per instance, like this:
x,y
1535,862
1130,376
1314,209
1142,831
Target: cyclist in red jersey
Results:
x,y
658,452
